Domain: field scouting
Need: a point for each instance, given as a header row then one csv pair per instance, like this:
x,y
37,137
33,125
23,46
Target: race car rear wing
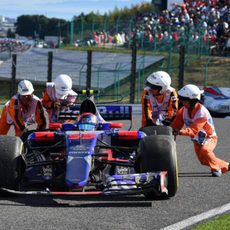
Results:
x,y
107,112
115,112
104,111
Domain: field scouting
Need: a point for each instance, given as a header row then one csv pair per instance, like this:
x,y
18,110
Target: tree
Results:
x,y
10,34
39,26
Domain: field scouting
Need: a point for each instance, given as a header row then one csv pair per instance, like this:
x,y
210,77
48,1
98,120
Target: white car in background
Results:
x,y
217,100
41,44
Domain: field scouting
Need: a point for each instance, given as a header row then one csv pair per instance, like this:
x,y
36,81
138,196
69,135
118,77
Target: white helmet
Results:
x,y
225,25
190,91
63,86
159,78
25,87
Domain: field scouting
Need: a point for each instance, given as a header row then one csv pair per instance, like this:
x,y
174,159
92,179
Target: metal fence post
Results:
x,y
82,28
50,66
89,69
72,31
181,67
13,75
133,69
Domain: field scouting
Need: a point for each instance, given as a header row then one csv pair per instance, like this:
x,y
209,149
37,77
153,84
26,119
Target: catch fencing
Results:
x,y
113,73
106,72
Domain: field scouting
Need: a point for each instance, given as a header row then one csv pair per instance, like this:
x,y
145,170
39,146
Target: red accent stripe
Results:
x,y
110,157
82,136
55,126
116,125
212,91
44,136
127,135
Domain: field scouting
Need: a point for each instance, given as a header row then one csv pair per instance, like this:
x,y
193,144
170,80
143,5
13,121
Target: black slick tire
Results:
x,y
11,162
158,153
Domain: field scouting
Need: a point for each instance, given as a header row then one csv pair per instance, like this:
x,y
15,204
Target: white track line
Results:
x,y
195,219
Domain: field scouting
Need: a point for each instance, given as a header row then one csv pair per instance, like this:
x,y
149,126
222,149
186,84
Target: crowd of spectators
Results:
x,y
201,22
194,21
13,45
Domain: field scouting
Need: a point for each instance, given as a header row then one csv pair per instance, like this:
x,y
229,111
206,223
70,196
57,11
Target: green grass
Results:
x,y
202,71
217,223
105,49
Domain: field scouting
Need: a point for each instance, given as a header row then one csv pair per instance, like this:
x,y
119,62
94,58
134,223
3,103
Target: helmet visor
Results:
x,y
86,127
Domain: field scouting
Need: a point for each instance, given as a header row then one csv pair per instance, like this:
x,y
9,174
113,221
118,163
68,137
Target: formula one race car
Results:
x,y
87,157
217,100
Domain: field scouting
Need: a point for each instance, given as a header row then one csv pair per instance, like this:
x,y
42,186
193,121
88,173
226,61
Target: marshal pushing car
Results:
x,y
90,156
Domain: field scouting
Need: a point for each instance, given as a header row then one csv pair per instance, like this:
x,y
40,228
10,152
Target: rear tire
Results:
x,y
158,153
157,130
11,162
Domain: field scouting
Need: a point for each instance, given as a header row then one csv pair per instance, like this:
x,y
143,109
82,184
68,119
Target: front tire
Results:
x,y
158,153
11,162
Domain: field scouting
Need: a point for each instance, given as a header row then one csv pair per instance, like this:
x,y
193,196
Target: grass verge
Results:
x,y
218,223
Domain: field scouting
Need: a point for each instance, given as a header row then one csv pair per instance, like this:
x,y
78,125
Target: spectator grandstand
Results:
x,y
205,21
13,45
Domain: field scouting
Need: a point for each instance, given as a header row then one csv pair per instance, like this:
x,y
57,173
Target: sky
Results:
x,y
65,9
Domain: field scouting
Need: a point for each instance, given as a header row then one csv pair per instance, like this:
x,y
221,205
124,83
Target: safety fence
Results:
x,y
111,73
104,71
150,33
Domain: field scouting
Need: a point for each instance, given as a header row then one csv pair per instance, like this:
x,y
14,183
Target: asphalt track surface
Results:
x,y
198,192
107,68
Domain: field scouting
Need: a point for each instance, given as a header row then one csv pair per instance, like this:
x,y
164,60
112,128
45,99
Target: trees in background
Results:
x,y
38,26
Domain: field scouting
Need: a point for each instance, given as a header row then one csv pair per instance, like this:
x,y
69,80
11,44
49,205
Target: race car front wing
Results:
x,y
129,184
